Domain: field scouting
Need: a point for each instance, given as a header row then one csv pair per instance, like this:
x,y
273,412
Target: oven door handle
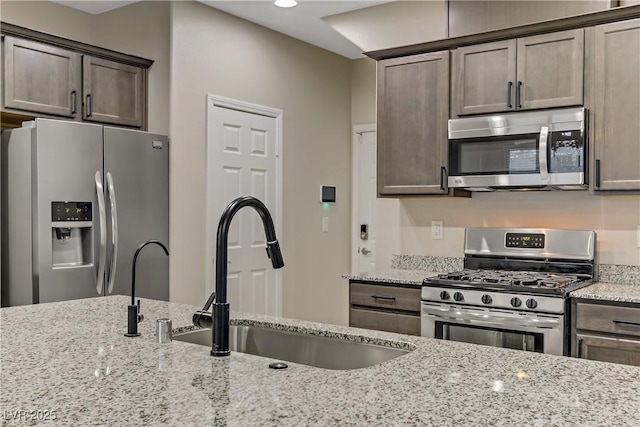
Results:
x,y
488,319
542,154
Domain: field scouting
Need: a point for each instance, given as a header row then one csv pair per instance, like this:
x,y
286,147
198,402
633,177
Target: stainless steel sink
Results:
x,y
306,349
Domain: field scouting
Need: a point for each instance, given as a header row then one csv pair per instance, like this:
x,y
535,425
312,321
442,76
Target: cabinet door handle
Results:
x,y
597,173
626,323
383,298
509,94
443,173
89,106
519,95
73,102
580,348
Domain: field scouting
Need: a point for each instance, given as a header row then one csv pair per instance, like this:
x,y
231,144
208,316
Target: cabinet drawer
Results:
x,y
604,349
607,318
381,321
390,297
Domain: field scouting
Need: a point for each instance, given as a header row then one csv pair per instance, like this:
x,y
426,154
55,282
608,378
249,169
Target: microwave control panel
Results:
x,y
524,240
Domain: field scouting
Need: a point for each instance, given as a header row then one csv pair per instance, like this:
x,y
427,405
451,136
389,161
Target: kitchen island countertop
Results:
x,y
72,358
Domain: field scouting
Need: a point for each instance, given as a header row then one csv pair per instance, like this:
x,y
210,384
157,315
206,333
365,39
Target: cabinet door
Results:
x,y
550,70
485,78
413,109
606,349
113,92
40,78
616,91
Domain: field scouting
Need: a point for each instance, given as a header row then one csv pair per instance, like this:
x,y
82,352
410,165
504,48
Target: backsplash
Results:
x,y
622,274
428,263
608,273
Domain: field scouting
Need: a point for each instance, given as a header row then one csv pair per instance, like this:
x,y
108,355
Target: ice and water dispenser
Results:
x,y
71,236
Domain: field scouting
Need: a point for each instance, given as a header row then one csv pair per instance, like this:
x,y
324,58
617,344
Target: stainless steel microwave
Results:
x,y
544,149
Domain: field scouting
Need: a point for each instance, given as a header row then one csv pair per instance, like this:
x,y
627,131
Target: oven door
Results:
x,y
542,333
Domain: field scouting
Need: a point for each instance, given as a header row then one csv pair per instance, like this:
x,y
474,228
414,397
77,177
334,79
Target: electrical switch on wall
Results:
x,y
325,223
437,230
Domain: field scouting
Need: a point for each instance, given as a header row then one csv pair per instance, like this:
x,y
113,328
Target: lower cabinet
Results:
x,y
606,332
390,308
607,349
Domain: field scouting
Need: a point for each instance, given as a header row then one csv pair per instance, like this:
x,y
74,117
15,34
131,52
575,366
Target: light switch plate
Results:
x,y
437,230
638,237
325,223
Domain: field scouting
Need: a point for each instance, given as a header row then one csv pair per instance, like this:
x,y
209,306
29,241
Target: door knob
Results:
x,y
365,251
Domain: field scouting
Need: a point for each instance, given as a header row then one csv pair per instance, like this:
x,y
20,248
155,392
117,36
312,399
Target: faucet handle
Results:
x,y
140,316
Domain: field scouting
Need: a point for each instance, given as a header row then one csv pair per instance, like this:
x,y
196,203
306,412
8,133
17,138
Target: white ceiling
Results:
x,y
303,22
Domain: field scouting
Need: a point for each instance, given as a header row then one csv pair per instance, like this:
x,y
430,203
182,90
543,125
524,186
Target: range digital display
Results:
x,y
71,211
523,240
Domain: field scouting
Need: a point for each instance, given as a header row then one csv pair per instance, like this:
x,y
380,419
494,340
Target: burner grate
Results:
x,y
529,279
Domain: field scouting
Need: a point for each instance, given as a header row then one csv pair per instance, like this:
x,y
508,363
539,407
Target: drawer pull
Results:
x,y
383,298
626,323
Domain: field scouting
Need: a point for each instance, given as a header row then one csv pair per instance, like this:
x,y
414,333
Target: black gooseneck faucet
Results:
x,y
133,312
220,320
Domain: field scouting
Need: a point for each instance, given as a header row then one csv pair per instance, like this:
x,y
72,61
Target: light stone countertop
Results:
x,y
72,358
406,277
609,292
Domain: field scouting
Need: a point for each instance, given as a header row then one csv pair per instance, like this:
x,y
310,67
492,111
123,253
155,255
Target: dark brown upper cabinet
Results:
x,y
40,78
413,106
534,72
112,92
43,80
614,52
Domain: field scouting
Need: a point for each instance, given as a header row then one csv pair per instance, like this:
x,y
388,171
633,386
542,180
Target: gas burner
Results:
x,y
525,279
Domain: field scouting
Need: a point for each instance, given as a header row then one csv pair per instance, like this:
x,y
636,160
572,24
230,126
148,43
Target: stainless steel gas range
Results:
x,y
513,291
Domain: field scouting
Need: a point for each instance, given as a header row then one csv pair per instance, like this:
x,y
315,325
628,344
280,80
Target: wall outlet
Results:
x,y
437,230
325,223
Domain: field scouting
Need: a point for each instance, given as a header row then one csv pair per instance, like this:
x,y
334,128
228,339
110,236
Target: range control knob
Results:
x,y
486,299
444,295
516,302
458,296
531,303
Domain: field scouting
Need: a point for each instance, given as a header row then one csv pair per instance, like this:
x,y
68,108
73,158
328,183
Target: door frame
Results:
x,y
211,225
357,132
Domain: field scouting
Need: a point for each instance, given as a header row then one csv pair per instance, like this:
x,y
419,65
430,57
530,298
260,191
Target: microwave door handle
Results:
x,y
542,154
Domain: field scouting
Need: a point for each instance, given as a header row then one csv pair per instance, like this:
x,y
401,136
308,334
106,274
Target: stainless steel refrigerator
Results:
x,y
77,200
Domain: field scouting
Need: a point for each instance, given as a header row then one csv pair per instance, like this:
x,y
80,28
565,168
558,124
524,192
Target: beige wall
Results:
x,y
141,29
213,52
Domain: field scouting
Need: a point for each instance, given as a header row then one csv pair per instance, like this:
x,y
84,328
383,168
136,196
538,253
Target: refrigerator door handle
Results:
x,y
102,260
114,233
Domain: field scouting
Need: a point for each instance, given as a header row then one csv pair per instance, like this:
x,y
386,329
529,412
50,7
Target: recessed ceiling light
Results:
x,y
286,3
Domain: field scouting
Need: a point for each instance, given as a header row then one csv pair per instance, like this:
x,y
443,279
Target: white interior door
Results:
x,y
243,160
364,199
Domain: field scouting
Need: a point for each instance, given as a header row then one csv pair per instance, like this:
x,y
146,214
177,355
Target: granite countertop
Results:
x,y
609,292
406,277
72,358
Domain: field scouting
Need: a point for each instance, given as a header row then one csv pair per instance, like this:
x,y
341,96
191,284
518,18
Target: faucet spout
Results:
x,y
133,312
220,328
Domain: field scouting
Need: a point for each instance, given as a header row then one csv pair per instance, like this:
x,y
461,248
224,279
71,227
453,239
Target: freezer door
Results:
x,y
138,166
65,158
